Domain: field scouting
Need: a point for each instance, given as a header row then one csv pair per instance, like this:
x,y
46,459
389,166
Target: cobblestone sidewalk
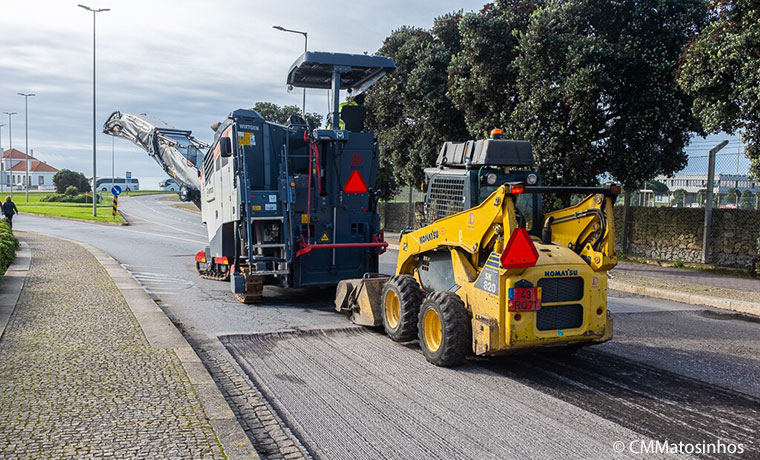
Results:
x,y
79,380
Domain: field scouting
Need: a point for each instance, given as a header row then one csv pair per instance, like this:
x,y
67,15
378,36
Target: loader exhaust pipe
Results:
x,y
546,232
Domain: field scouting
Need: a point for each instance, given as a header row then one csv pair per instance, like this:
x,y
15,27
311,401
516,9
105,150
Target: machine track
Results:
x,y
211,274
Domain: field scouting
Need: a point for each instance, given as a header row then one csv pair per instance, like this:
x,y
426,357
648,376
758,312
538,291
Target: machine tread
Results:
x,y
456,329
410,297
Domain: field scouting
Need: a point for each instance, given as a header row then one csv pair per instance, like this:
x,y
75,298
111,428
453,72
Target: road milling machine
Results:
x,y
290,206
492,272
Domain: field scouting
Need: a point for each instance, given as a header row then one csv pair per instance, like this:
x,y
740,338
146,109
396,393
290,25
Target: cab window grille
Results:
x,y
446,197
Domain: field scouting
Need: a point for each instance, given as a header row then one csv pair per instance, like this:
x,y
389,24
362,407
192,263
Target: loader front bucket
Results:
x,y
360,298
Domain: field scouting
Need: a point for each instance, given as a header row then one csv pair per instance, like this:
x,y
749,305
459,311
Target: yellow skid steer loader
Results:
x,y
487,280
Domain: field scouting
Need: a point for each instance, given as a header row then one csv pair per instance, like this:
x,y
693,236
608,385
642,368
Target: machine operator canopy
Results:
x,y
357,71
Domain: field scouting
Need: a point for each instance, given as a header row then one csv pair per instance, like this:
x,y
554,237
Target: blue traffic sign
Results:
x,y
116,190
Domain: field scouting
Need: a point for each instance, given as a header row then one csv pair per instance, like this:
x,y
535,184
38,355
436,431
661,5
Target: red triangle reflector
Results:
x,y
520,251
355,183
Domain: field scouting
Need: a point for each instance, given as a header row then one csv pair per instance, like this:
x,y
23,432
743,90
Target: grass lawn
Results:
x,y
71,210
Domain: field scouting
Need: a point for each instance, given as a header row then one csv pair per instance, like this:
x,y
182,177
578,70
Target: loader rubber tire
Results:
x,y
400,318
445,331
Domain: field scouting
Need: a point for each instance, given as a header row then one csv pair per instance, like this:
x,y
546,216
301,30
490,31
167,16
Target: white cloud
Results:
x,y
188,62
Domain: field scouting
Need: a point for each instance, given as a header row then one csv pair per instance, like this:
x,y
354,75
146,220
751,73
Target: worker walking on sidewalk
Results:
x,y
9,210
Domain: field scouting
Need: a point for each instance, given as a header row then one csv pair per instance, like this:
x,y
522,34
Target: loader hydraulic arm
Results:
x,y
588,228
471,230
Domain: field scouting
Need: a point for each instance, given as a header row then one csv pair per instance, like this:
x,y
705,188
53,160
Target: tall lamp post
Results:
x,y
26,127
2,161
94,131
305,48
10,147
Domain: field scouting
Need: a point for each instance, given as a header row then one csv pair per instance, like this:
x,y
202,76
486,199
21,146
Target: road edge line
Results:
x,y
161,333
752,308
12,284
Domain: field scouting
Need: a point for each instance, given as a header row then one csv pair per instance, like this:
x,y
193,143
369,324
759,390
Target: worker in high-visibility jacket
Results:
x,y
355,100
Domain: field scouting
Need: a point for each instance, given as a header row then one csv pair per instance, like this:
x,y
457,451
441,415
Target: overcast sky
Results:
x,y
187,62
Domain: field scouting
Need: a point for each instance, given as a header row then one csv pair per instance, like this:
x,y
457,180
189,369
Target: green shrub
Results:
x,y
68,198
71,191
8,245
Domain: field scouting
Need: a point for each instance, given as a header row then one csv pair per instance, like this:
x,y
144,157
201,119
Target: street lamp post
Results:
x,y
2,161
94,130
10,148
26,127
305,48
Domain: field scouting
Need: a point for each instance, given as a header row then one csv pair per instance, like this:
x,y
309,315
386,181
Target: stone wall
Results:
x,y
676,234
667,234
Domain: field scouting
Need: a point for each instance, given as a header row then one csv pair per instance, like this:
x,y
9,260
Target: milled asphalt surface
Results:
x,y
708,356
79,379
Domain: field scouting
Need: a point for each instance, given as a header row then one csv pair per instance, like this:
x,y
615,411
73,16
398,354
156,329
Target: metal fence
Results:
x,y
668,219
707,213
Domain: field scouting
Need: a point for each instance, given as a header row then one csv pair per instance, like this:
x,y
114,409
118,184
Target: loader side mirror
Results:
x,y
225,146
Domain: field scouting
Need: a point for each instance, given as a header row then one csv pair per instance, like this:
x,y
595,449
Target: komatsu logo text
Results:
x,y
567,272
429,237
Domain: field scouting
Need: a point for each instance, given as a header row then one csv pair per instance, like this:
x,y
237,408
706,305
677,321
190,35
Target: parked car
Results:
x,y
169,185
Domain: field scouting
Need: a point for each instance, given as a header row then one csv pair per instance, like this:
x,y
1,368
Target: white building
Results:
x,y
694,182
14,171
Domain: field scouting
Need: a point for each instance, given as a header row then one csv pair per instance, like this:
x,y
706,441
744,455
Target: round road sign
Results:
x,y
116,190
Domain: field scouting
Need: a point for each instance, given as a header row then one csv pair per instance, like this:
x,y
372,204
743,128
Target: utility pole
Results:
x,y
26,128
10,147
305,48
708,208
113,178
94,129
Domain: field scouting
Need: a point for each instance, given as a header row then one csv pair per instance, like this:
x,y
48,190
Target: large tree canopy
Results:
x,y
598,92
721,69
483,74
280,114
409,109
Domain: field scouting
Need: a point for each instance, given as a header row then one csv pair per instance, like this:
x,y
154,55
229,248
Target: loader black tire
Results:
x,y
453,343
400,319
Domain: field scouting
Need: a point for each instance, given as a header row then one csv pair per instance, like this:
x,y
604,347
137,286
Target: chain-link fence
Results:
x,y
669,217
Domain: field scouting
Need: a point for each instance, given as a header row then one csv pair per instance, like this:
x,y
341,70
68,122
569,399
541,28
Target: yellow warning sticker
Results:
x,y
257,207
246,138
304,218
324,238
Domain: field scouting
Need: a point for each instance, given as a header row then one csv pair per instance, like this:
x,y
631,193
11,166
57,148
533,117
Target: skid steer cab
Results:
x,y
488,279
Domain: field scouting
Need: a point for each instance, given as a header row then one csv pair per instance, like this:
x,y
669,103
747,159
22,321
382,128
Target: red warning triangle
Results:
x,y
520,251
355,183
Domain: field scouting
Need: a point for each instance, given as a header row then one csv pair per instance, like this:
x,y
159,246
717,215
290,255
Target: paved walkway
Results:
x,y
78,378
698,277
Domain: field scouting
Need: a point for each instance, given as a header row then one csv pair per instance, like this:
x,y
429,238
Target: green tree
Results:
x,y
679,197
747,200
409,109
702,197
65,178
482,74
657,187
732,196
721,69
280,114
597,88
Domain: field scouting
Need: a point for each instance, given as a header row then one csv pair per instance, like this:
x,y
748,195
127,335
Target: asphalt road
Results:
x,y
673,372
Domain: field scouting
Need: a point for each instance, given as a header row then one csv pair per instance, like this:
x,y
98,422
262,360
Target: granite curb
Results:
x,y
13,282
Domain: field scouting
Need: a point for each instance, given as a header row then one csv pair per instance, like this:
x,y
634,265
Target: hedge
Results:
x,y
8,245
